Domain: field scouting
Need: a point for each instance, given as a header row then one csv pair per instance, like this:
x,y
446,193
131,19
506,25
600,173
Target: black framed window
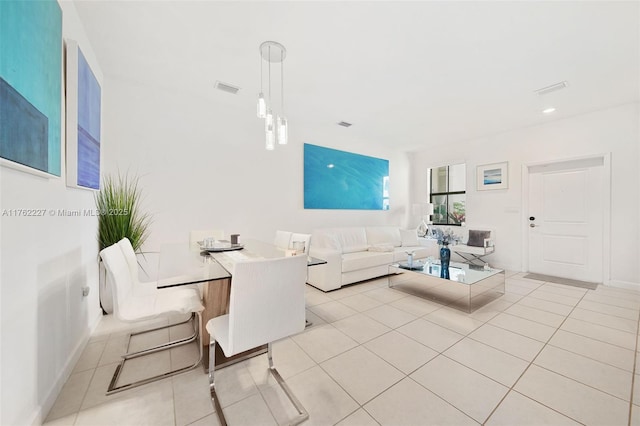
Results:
x,y
447,193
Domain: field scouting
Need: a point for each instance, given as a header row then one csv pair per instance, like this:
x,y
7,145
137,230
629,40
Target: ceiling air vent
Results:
x,y
552,88
344,124
226,87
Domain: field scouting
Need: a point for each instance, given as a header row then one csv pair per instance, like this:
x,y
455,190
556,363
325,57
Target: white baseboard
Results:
x,y
40,414
624,284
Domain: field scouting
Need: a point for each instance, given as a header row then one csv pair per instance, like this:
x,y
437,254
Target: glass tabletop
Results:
x,y
181,264
460,272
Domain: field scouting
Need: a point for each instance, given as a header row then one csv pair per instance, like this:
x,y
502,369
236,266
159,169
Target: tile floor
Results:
x,y
543,354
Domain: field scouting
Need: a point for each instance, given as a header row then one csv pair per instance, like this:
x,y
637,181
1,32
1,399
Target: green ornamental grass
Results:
x,y
118,204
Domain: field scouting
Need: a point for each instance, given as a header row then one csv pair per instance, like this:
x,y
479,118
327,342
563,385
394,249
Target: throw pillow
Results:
x,y
476,238
409,238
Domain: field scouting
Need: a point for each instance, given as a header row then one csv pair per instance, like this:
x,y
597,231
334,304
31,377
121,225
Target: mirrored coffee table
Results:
x,y
468,288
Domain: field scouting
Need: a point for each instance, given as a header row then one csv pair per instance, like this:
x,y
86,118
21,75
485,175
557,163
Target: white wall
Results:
x,y
614,131
45,262
202,165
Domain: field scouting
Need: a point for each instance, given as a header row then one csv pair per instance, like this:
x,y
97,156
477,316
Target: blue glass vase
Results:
x,y
445,257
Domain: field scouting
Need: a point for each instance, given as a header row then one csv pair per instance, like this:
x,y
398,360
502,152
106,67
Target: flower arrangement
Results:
x,y
445,236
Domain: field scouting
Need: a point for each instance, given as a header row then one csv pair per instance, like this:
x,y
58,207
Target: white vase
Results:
x,y
106,295
422,229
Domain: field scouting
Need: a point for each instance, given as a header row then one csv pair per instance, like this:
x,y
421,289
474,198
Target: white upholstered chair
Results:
x,y
266,304
479,243
135,301
283,239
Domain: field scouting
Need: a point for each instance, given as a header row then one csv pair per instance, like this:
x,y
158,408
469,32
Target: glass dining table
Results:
x,y
184,264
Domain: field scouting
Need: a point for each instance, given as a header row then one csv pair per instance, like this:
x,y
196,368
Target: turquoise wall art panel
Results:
x,y
83,106
31,83
335,179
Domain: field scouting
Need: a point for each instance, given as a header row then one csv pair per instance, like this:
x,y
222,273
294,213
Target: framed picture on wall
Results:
x,y
83,121
335,179
31,87
493,176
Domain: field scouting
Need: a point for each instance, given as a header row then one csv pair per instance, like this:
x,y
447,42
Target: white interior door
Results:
x,y
566,219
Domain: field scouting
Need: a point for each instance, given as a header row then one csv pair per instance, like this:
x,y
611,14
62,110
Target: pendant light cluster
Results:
x,y
276,128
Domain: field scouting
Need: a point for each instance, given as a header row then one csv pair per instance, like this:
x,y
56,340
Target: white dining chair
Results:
x,y
282,239
266,304
136,301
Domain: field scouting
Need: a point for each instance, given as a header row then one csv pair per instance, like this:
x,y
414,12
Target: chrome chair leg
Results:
x,y
162,346
302,412
472,259
113,388
212,385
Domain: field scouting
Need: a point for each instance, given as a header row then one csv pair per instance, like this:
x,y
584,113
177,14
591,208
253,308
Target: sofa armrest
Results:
x,y
327,276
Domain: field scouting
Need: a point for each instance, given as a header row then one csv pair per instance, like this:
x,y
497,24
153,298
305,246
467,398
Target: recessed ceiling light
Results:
x,y
548,110
330,166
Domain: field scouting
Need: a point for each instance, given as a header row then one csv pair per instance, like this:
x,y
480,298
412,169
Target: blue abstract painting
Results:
x,y
88,126
24,139
492,176
31,83
335,179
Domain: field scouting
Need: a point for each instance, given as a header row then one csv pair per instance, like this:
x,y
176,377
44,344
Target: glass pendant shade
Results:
x,y
276,129
270,139
268,121
262,106
282,131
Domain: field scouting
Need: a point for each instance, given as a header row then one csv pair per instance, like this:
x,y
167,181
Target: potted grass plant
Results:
x,y
118,207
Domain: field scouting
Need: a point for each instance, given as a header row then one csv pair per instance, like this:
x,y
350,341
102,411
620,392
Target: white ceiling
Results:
x,y
407,74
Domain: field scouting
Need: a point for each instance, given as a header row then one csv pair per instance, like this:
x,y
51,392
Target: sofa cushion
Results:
x,y
381,247
384,235
476,238
409,238
331,241
325,238
365,259
352,239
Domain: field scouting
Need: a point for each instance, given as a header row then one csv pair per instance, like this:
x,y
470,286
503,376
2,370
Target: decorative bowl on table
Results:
x,y
218,246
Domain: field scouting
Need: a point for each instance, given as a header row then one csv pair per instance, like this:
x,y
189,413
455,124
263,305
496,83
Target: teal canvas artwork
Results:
x,y
335,179
31,84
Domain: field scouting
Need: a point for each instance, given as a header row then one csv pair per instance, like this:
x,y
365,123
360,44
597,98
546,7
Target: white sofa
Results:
x,y
360,253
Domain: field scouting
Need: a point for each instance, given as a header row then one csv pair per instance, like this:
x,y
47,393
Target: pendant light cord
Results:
x,y
269,74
